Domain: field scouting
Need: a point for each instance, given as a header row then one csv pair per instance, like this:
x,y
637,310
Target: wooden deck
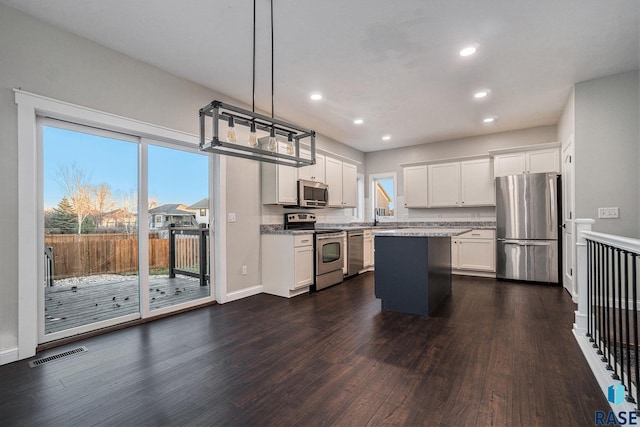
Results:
x,y
71,306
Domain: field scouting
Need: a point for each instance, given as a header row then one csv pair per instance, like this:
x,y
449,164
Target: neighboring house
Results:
x,y
119,219
382,201
172,213
201,209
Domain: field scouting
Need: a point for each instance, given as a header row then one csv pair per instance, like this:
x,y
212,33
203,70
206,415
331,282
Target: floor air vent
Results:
x,y
49,359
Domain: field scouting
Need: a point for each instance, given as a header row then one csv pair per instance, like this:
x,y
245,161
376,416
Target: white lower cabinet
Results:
x,y
474,253
345,249
287,264
368,249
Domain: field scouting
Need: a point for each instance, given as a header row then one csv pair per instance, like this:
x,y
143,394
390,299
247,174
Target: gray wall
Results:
x,y
607,144
566,126
44,60
389,160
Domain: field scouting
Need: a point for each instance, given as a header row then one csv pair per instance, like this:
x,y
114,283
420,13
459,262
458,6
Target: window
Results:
x,y
203,212
382,193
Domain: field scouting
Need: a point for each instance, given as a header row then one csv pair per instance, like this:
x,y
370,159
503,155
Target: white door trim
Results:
x,y
569,282
29,278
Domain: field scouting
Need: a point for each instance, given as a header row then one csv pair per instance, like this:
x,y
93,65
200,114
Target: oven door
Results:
x,y
329,254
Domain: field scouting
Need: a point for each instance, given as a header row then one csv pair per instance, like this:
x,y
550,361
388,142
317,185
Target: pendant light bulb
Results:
x,y
273,144
231,131
253,137
290,145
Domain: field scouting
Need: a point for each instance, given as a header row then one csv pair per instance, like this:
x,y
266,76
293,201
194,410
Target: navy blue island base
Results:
x,y
412,273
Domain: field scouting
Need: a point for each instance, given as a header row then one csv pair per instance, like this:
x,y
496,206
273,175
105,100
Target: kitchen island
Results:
x,y
413,268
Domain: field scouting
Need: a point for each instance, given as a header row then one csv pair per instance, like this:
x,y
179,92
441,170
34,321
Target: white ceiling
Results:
x,y
393,63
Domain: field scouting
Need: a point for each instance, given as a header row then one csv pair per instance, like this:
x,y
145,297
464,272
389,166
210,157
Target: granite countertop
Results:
x,y
410,227
279,229
471,224
421,232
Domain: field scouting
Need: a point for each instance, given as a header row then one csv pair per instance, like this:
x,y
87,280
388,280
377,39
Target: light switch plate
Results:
x,y
231,217
608,213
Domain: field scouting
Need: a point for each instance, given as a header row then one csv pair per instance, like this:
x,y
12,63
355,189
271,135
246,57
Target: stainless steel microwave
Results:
x,y
312,194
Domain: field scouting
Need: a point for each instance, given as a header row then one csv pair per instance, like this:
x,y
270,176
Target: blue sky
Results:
x,y
174,176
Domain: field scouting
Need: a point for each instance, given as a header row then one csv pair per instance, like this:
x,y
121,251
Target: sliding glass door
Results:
x,y
125,225
179,219
90,209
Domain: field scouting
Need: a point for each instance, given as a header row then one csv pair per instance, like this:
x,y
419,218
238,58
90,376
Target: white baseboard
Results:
x,y
600,372
244,293
8,356
473,273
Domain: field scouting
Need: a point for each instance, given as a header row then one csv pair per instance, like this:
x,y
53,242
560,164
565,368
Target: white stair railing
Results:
x,y
606,322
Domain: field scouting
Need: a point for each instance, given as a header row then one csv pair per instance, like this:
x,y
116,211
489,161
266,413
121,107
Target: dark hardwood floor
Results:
x,y
495,353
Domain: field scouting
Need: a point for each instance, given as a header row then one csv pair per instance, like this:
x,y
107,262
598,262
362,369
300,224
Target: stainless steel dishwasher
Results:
x,y
355,250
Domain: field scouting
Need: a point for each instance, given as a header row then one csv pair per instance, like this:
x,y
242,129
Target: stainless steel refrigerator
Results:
x,y
527,215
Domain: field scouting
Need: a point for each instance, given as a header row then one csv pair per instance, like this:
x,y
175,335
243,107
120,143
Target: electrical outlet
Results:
x,y
608,213
244,270
231,217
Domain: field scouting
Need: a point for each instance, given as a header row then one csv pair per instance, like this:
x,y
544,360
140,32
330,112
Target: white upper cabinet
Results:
x,y
444,184
313,172
349,185
279,183
509,164
477,186
543,161
534,161
333,178
466,183
342,181
415,186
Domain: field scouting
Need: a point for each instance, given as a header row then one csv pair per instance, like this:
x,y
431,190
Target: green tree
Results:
x,y
88,225
63,218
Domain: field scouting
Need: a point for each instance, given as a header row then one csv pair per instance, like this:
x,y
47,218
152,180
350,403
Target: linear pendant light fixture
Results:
x,y
263,149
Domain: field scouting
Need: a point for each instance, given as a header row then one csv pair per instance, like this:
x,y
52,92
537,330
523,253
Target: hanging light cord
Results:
x,y
272,111
253,101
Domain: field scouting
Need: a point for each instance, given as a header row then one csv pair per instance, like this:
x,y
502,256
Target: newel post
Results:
x,y
581,323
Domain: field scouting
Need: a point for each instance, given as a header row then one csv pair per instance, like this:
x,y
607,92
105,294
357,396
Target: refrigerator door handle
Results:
x,y
524,243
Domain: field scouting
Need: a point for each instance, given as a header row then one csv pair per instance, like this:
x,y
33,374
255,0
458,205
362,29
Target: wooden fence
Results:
x,y
90,254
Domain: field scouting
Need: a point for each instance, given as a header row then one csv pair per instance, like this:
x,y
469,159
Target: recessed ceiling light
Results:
x,y
358,121
316,96
481,94
469,50
489,120
386,137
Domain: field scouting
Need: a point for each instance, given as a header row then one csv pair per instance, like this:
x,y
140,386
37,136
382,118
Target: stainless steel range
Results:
x,y
328,245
